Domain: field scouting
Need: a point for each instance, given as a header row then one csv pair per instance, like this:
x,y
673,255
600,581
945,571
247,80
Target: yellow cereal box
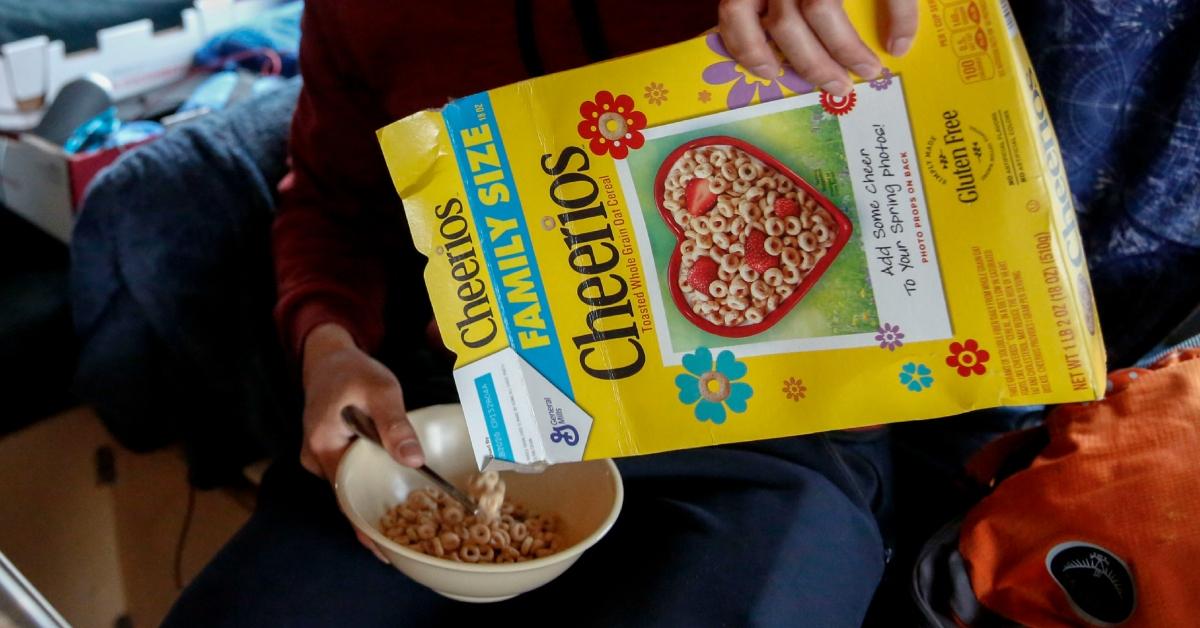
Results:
x,y
663,251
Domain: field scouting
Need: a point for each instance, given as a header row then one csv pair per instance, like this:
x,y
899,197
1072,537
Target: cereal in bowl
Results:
x,y
432,522
750,234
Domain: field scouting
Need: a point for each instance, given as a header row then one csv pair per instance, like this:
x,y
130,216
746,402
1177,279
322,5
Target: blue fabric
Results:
x,y
172,286
1186,336
776,533
1122,81
277,30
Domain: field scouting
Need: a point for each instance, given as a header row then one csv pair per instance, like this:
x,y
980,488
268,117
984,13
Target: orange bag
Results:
x,y
1103,528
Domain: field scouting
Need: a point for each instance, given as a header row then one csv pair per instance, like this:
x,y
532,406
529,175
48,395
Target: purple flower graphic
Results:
x,y
889,337
883,82
746,84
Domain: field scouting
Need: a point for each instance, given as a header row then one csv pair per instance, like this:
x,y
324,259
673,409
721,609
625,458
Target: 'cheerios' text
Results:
x,y
477,327
589,239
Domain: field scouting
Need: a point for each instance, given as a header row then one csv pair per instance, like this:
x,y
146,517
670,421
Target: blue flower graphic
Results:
x,y
713,389
916,377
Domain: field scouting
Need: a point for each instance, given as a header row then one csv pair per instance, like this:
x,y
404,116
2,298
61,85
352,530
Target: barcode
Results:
x,y
1009,20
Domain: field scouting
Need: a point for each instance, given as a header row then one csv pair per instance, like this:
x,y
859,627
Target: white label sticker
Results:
x,y
516,417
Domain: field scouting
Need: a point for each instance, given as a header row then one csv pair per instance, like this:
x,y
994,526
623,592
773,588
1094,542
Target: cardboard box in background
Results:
x,y
38,180
43,184
132,56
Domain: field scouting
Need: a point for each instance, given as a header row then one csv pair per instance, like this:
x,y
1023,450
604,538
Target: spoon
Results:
x,y
362,425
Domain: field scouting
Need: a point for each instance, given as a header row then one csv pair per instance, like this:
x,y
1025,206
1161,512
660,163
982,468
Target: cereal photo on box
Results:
x,y
751,219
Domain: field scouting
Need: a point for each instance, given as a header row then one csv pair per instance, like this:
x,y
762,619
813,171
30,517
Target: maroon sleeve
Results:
x,y
340,222
329,257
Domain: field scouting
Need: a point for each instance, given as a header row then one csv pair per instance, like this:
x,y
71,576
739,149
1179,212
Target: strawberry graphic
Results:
x,y
756,254
703,273
785,207
698,197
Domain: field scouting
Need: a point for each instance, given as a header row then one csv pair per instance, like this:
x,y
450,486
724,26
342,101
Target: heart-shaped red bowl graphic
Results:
x,y
844,230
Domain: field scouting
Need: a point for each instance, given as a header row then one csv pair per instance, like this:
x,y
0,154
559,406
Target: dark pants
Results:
x,y
775,533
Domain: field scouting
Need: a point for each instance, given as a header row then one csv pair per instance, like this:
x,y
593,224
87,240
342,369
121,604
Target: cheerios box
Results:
x,y
665,251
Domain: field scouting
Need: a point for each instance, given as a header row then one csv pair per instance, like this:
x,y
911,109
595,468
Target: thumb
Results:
x,y
323,448
902,26
395,431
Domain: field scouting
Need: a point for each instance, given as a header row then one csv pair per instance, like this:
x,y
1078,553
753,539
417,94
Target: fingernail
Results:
x,y
410,451
899,46
837,88
765,70
866,70
381,557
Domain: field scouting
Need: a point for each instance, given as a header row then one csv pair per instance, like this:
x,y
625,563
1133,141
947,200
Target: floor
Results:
x,y
96,528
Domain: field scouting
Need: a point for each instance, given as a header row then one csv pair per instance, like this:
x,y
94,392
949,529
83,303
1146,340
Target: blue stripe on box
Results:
x,y
491,193
493,417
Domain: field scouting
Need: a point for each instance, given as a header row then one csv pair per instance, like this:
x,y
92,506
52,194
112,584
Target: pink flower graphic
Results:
x,y
745,84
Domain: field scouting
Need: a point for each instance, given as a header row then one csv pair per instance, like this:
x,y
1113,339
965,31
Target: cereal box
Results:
x,y
664,251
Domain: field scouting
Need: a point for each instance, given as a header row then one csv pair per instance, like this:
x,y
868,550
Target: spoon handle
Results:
x,y
365,427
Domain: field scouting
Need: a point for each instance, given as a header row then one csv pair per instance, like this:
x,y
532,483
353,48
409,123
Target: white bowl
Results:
x,y
586,495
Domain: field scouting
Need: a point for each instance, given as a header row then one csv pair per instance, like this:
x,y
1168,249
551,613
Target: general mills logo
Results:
x,y
560,430
564,433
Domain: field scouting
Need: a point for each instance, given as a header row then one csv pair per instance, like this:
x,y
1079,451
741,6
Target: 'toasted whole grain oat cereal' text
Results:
x,y
664,251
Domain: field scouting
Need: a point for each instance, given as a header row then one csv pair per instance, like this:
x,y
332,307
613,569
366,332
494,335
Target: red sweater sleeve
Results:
x,y
340,230
329,256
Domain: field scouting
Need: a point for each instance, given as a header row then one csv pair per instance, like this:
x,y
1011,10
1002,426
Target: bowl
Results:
x,y
586,495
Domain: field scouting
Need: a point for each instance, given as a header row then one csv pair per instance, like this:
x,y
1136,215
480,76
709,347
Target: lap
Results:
x,y
775,533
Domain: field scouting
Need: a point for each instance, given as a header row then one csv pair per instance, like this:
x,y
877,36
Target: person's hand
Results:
x,y
336,374
815,36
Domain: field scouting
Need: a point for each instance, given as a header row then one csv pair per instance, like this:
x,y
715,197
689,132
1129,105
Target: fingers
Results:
x,y
803,49
324,445
902,27
741,30
369,544
816,37
828,20
328,437
397,434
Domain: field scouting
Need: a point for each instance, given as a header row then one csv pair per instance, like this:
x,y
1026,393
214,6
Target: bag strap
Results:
x,y
1006,455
